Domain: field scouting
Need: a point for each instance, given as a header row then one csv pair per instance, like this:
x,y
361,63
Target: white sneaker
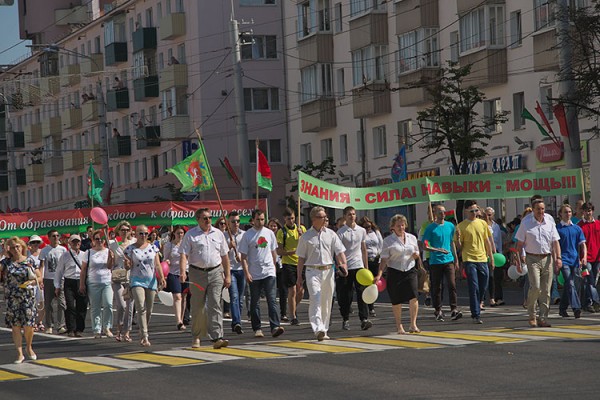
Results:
x,y
49,331
259,333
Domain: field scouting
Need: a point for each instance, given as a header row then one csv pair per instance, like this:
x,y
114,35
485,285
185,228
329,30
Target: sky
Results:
x,y
9,35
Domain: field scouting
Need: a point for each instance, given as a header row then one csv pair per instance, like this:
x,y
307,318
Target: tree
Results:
x,y
452,122
325,167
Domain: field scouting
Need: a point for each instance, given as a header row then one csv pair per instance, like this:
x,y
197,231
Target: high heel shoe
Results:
x,y
19,360
32,356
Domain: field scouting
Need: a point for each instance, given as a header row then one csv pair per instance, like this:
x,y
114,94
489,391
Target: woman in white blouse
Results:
x,y
374,244
400,253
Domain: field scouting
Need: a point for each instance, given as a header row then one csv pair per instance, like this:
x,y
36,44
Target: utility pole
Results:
x,y
12,172
103,139
566,89
241,127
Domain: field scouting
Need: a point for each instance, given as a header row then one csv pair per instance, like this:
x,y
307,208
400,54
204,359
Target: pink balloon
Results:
x,y
381,285
99,216
165,268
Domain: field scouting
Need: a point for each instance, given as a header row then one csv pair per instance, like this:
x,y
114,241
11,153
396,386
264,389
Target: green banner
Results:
x,y
438,188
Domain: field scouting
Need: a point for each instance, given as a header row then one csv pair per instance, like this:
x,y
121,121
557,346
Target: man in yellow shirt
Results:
x,y
473,237
287,242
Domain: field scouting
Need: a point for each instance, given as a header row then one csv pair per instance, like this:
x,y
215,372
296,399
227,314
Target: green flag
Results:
x,y
95,186
527,115
194,172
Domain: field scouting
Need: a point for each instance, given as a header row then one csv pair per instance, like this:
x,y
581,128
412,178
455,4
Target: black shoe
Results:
x,y
589,309
577,313
238,329
477,321
556,301
439,317
456,315
596,307
372,314
366,324
428,301
346,325
295,321
284,318
565,314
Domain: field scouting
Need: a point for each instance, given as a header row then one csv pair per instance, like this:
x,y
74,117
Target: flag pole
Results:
x,y
91,197
257,174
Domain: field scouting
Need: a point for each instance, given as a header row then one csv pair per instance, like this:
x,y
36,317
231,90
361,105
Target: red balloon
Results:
x,y
381,285
165,268
99,216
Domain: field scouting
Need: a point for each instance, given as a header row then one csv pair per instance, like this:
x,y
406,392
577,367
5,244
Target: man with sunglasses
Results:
x,y
55,309
204,248
474,239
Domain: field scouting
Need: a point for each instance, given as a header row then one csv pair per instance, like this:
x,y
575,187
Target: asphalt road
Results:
x,y
500,359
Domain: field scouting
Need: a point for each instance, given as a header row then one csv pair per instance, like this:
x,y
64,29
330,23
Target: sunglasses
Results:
x,y
235,221
97,238
474,210
143,233
125,229
55,236
321,216
221,223
75,241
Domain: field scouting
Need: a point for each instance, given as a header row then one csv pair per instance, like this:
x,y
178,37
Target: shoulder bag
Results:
x,y
423,277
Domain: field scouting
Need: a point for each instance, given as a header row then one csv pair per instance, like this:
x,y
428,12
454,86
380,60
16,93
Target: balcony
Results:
x,y
545,51
148,136
89,110
31,95
18,140
372,100
52,127
74,160
71,16
318,115
35,173
317,48
53,166
50,85
119,146
173,75
414,85
145,87
491,67
117,99
144,39
33,133
115,53
371,28
71,118
415,14
91,64
175,127
69,75
21,176
172,26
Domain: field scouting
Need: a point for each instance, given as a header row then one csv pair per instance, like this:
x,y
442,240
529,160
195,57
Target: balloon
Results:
x,y
560,279
225,295
365,277
99,216
165,268
499,260
523,269
381,285
512,273
369,295
165,298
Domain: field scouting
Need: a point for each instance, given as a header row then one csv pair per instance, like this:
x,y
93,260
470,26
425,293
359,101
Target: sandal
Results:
x,y
118,337
127,339
181,327
145,342
414,330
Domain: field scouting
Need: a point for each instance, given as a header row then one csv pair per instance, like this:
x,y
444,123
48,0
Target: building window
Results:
x,y
326,149
544,13
155,168
379,142
259,47
516,29
165,158
482,27
174,102
454,43
428,131
405,134
136,170
546,101
339,27
362,6
368,64
257,2
127,173
340,83
261,99
343,149
79,189
316,82
491,108
114,31
418,49
145,169
518,106
271,148
305,153
313,16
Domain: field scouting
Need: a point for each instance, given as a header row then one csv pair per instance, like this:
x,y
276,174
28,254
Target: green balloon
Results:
x,y
499,260
560,279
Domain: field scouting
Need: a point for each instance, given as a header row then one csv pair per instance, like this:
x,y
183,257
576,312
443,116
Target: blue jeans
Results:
x,y
555,294
236,295
569,294
477,279
269,286
589,284
101,302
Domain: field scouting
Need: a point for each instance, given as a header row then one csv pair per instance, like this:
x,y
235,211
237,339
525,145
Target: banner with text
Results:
x,y
438,188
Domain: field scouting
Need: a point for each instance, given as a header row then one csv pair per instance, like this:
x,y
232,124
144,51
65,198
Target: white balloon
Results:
x,y
370,294
524,269
165,298
512,273
225,295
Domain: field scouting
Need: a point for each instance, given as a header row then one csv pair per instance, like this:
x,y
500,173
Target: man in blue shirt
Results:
x,y
437,238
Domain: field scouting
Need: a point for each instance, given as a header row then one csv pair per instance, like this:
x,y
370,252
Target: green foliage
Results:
x,y
325,167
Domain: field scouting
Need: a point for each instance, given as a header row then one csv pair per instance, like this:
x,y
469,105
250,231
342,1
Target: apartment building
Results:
x,y
163,68
355,64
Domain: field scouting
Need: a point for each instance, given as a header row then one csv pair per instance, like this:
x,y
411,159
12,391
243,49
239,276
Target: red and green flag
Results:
x,y
95,185
230,171
194,172
559,112
450,215
542,114
527,115
263,171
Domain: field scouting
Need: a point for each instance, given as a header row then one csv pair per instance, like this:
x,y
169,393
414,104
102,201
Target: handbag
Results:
x,y
423,277
120,276
127,293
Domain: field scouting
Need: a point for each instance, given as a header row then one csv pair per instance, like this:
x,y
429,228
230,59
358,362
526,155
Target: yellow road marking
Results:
x,y
466,336
240,352
9,376
318,347
77,366
159,359
584,327
534,332
393,342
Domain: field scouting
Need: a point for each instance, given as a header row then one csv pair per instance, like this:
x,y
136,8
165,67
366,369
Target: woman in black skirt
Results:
x,y
400,253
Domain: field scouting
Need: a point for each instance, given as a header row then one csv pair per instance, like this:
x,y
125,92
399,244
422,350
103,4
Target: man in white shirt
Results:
x,y
66,279
238,281
353,238
205,249
49,256
259,255
316,250
539,237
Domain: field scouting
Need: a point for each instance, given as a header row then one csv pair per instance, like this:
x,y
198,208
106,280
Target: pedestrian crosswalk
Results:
x,y
44,368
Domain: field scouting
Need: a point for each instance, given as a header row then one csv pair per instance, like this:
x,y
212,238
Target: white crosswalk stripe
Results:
x,y
39,371
113,362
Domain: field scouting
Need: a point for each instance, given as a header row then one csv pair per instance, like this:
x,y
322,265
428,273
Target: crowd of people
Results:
x,y
51,288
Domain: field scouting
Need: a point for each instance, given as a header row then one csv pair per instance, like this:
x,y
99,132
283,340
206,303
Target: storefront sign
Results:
x,y
549,152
